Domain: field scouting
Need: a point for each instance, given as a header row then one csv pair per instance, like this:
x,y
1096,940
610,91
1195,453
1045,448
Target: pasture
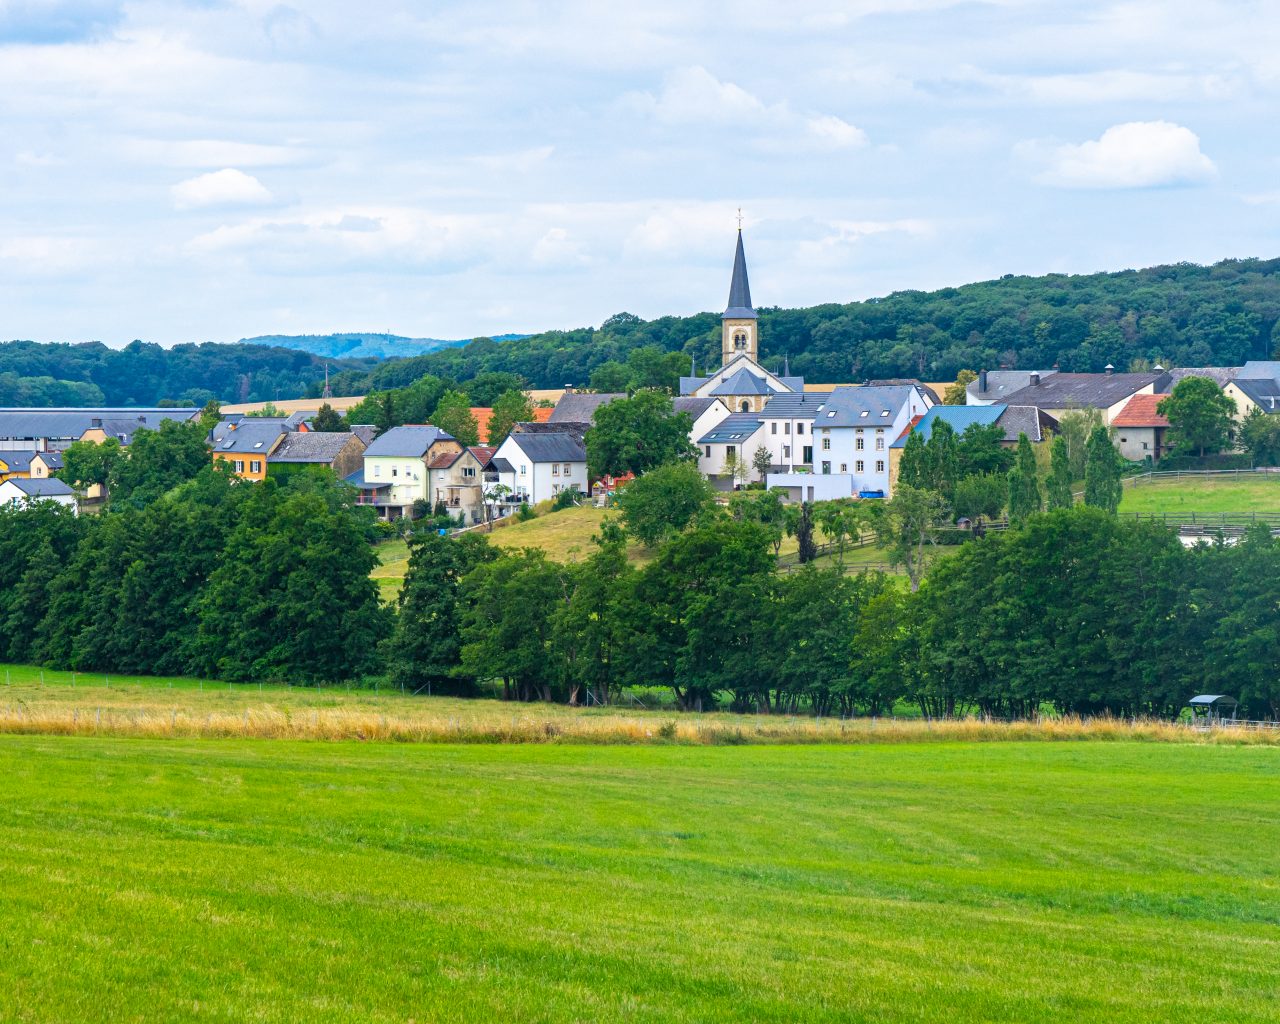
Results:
x,y
1234,495
281,881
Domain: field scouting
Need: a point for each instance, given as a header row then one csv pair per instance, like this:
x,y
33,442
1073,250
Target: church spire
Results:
x,y
739,307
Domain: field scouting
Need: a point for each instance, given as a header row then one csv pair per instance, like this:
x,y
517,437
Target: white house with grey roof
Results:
x,y
543,464
25,491
851,434
55,429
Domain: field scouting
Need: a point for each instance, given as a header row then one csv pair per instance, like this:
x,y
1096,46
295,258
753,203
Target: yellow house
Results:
x,y
15,465
246,446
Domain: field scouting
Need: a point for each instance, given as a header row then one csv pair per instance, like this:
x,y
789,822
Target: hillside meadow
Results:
x,y
238,880
1207,495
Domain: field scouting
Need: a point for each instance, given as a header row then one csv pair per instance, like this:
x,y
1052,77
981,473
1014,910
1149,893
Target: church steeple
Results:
x,y
738,322
739,307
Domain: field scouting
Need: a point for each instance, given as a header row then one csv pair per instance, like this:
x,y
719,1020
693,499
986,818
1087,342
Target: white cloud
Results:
x,y
227,187
836,132
557,248
1140,154
211,153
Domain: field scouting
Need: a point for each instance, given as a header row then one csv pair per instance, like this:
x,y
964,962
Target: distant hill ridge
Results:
x,y
360,345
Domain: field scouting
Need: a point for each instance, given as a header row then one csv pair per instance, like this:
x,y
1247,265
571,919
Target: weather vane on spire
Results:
x,y
739,218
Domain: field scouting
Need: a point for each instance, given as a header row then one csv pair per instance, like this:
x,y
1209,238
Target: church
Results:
x,y
741,382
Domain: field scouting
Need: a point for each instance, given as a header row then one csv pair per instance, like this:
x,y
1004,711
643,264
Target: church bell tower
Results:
x,y
738,322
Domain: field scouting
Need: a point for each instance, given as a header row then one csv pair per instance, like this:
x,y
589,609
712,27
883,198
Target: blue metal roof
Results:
x,y
960,417
733,429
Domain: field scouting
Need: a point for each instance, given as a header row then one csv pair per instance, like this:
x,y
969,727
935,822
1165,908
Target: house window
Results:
x,y
826,469
395,471
786,428
799,428
255,466
859,444
567,469
844,467
729,449
808,454
239,464
377,470
469,471
786,451
555,469
879,465
879,444
826,444
708,451
523,469
773,428
859,466
1145,446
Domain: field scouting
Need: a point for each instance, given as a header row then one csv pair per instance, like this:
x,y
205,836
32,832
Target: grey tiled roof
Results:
x,y
1001,383
1022,419
409,442
798,406
1220,375
575,407
542,447
694,406
45,487
312,446
367,432
1263,392
1255,369
18,461
70,424
733,429
1084,390
864,406
250,438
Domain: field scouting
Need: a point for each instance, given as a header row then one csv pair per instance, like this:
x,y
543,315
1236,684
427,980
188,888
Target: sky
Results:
x,y
217,169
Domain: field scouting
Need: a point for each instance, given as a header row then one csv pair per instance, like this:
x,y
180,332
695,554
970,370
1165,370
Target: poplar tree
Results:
x,y
1102,487
1024,486
1060,476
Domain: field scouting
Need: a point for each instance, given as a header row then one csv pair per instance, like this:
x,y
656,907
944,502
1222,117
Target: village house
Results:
x,y
1256,386
993,386
457,481
544,463
42,430
1061,393
394,475
340,451
1140,430
1014,420
15,464
24,491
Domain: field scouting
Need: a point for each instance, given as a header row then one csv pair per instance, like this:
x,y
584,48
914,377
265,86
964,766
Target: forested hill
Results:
x,y
33,374
1181,315
362,346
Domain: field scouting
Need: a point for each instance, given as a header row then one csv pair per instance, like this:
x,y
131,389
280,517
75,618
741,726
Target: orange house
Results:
x,y
246,445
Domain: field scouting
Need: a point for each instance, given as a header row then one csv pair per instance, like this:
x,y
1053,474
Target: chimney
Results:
x,y
142,419
982,381
95,422
568,389
1109,369
1035,380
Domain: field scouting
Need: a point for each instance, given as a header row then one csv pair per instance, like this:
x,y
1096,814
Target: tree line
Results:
x,y
1179,315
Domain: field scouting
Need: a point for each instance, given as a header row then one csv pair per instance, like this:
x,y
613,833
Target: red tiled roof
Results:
x,y
483,415
1141,412
483,453
444,461
909,427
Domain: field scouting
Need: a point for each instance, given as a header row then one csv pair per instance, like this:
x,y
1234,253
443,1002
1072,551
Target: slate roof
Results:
x,y
1004,382
1084,390
743,382
367,432
18,461
1141,412
575,430
739,307
551,447
733,429
47,487
250,438
497,465
51,459
890,382
1257,369
575,407
1264,393
864,406
408,442
1025,419
310,447
1220,375
694,406
801,406
69,424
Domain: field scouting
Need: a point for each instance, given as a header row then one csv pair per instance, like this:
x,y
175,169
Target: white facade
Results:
x,y
11,493
540,480
813,486
730,435
854,431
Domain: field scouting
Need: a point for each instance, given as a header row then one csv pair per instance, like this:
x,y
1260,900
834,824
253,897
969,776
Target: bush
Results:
x,y
525,513
566,499
1226,461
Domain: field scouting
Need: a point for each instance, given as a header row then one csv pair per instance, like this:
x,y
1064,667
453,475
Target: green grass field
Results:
x,y
1237,495
238,880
